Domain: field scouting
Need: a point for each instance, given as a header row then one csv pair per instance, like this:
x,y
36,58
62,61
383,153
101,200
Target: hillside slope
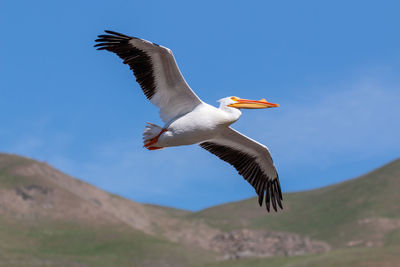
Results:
x,y
360,212
50,218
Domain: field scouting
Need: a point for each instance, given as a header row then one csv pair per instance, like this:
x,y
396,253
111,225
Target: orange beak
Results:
x,y
253,104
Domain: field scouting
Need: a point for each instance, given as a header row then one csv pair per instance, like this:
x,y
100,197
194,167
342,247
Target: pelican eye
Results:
x,y
234,98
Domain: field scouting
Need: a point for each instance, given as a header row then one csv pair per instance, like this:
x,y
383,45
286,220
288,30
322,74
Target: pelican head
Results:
x,y
239,103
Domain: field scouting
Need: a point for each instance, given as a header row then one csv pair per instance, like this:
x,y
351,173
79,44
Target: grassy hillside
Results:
x,y
48,218
71,244
360,210
351,257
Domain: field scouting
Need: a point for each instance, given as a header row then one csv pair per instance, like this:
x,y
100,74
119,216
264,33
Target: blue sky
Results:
x,y
333,67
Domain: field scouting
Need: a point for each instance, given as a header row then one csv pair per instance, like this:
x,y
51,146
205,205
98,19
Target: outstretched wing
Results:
x,y
252,160
156,71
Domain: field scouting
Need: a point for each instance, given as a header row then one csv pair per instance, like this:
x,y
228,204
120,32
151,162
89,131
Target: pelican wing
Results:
x,y
156,71
252,160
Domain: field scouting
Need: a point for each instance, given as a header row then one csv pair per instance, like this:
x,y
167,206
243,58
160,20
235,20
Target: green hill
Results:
x,y
48,218
357,212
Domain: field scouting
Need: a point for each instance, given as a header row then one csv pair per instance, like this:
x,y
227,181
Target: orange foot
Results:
x,y
154,148
153,141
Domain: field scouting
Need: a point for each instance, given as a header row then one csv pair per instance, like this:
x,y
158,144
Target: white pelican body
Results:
x,y
188,120
189,129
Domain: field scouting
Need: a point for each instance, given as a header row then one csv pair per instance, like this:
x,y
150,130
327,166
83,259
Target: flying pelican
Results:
x,y
188,120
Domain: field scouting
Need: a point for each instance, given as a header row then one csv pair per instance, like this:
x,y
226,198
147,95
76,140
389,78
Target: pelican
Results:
x,y
188,120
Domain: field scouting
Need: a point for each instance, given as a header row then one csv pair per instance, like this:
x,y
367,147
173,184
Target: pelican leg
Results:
x,y
154,140
154,148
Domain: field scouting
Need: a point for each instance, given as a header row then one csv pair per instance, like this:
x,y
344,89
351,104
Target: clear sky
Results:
x,y
333,66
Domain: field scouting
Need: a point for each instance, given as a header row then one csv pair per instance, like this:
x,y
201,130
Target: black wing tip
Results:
x,y
139,61
244,164
110,39
273,195
113,37
113,33
260,198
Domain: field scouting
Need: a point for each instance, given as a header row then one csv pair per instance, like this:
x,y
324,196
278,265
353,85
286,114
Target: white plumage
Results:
x,y
188,120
